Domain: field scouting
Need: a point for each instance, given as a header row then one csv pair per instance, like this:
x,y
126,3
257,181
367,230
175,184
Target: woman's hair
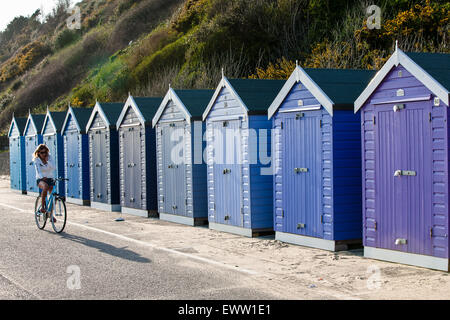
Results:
x,y
38,149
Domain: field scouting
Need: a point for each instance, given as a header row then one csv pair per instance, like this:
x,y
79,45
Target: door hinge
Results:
x,y
375,225
431,232
186,201
320,123
321,219
429,116
281,124
374,120
162,198
282,213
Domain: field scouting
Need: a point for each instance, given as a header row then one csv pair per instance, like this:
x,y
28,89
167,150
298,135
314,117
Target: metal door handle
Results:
x,y
225,171
301,226
297,170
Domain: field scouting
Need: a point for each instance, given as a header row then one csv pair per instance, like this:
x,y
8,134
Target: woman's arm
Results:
x,y
37,167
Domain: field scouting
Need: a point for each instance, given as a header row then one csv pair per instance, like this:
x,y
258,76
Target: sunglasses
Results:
x,y
43,152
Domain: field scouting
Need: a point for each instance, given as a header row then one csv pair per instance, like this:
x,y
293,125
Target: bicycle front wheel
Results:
x,y
59,215
40,218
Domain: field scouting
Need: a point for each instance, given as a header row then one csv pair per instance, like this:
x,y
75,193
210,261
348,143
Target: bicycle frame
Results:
x,y
49,201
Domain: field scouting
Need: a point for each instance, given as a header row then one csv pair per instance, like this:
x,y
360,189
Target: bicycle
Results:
x,y
56,207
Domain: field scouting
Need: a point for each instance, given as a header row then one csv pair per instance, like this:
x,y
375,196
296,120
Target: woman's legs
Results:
x,y
45,190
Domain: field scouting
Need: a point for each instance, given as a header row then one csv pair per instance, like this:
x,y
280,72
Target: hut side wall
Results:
x,y
347,194
261,182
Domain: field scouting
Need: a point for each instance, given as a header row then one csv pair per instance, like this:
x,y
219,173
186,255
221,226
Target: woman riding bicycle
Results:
x,y
45,172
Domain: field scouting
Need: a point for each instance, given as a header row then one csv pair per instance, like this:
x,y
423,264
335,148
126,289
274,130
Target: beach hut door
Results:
x,y
174,169
72,145
302,172
227,172
403,207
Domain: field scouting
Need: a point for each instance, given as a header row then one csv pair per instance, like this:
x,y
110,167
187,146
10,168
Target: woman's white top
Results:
x,y
47,170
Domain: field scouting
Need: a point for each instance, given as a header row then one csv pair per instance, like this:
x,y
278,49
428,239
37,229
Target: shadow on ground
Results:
x,y
123,253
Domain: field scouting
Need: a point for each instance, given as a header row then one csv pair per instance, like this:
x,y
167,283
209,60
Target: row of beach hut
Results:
x,y
352,154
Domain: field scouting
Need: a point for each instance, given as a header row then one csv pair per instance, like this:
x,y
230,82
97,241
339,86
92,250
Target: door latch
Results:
x,y
299,115
225,171
301,226
398,107
297,170
227,217
399,173
400,241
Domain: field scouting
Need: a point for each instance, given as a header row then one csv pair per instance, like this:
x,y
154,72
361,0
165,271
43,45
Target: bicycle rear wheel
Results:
x,y
40,218
59,215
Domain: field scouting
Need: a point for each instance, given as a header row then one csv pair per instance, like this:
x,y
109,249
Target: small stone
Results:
x,y
311,286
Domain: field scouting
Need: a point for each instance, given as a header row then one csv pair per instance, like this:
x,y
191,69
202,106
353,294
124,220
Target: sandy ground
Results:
x,y
290,271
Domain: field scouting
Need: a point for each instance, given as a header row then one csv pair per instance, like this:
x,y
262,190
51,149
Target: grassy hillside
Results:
x,y
141,46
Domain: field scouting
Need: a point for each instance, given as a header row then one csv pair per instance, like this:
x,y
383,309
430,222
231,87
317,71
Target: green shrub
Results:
x,y
66,37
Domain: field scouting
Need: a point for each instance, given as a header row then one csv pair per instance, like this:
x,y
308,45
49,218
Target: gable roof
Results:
x,y
56,120
432,69
109,111
20,124
81,116
436,65
37,121
331,87
254,95
145,108
191,102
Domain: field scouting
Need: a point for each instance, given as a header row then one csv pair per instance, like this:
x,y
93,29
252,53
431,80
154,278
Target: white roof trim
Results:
x,y
130,103
48,116
29,120
13,121
399,57
171,95
300,75
97,109
70,112
223,83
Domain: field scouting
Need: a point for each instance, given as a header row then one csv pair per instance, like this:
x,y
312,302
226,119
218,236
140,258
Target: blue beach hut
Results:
x,y
137,156
182,192
317,158
104,156
17,154
51,136
238,156
76,155
33,138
